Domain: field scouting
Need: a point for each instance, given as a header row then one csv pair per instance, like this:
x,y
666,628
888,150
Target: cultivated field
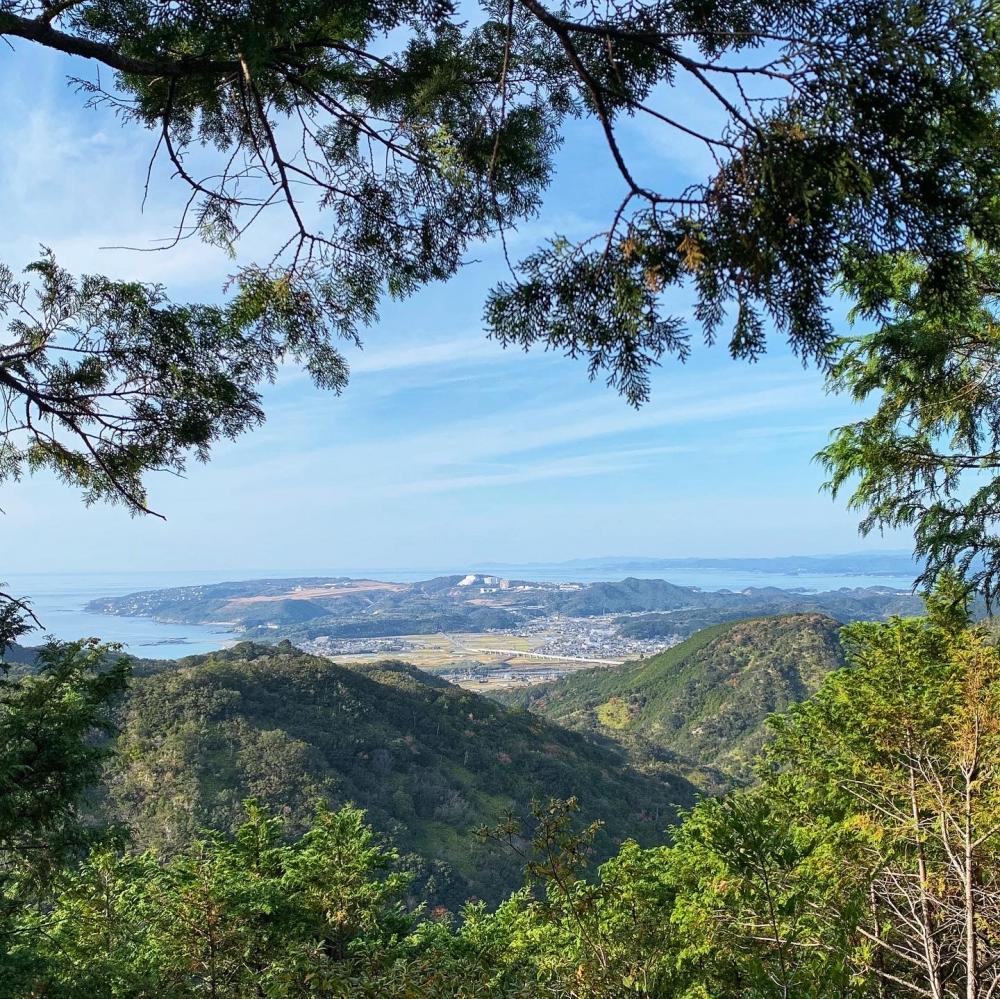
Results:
x,y
466,658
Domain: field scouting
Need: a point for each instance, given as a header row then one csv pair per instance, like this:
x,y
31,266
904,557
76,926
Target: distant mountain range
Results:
x,y
889,563
307,608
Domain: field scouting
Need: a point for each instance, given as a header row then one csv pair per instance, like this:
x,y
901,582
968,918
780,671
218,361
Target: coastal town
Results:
x,y
540,650
482,630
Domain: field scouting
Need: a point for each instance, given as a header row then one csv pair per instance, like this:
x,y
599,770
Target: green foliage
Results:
x,y
874,134
861,865
610,937
408,155
16,619
927,455
706,699
54,725
894,766
613,713
393,136
116,380
753,915
602,305
428,761
254,914
868,849
48,751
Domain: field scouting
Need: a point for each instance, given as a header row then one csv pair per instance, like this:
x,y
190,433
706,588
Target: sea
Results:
x,y
59,599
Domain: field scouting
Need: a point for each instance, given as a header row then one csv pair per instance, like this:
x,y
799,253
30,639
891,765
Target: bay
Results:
x,y
59,598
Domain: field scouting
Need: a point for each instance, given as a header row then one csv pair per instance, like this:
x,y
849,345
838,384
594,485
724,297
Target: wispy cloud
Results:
x,y
515,442
532,428
452,352
442,438
581,466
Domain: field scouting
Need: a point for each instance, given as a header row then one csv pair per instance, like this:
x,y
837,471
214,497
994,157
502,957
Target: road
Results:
x,y
524,654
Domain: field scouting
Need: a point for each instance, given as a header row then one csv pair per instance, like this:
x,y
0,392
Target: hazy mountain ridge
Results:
x,y
899,562
860,604
15,655
303,609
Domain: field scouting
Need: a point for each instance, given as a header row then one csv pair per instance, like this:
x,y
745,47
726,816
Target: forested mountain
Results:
x,y
429,761
816,881
708,698
16,657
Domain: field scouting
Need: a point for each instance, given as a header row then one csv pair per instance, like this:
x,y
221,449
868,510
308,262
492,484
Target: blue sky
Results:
x,y
444,450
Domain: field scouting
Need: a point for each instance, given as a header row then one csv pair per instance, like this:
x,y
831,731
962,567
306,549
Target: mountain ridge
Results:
x,y
429,761
707,698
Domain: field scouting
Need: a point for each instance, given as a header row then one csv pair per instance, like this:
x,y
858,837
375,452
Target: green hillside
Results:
x,y
429,762
706,699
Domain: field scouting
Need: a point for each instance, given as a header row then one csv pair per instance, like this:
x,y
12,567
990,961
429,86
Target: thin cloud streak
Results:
x,y
509,447
583,466
458,351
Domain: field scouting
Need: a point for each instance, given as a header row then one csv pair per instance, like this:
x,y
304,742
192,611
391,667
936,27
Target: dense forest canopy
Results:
x,y
861,864
927,456
428,761
707,699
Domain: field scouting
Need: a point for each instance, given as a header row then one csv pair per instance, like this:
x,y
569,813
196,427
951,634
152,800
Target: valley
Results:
x,y
399,726
541,650
431,762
